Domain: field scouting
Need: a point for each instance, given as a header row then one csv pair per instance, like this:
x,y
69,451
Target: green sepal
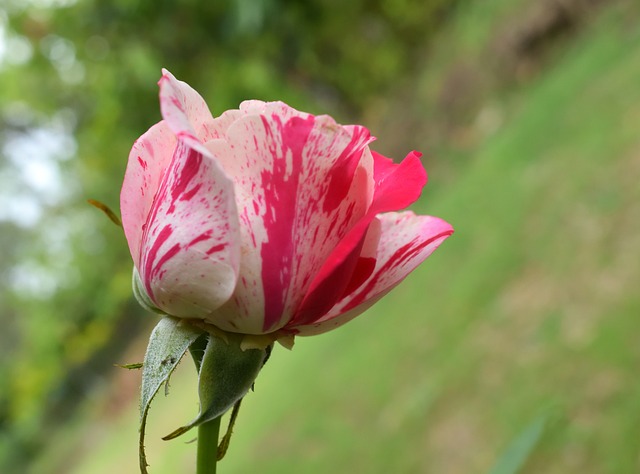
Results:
x,y
169,341
141,295
226,375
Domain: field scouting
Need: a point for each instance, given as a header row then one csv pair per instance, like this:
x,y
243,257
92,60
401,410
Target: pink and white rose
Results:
x,y
267,220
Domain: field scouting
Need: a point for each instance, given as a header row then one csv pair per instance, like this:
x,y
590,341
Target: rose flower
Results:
x,y
266,220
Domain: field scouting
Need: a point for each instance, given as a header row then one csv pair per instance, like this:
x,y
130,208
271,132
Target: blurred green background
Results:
x,y
515,348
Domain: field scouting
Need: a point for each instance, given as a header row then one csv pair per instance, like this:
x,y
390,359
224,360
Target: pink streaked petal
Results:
x,y
397,185
327,325
335,275
244,313
301,184
187,114
280,109
332,279
381,166
405,241
190,252
218,128
149,158
252,107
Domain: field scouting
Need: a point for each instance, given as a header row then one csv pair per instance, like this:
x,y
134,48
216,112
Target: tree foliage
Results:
x,y
78,87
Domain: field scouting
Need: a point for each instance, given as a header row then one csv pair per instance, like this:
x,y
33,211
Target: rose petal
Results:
x,y
397,186
277,108
188,115
301,184
190,254
149,157
405,241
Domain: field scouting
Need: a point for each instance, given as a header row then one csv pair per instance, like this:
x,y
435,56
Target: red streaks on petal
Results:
x,y
148,146
344,169
193,162
397,185
186,134
168,255
400,256
204,236
280,187
363,270
171,190
150,257
323,296
189,194
142,163
177,103
216,249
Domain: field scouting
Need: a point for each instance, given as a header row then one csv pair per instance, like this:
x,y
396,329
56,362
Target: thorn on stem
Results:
x,y
104,208
137,365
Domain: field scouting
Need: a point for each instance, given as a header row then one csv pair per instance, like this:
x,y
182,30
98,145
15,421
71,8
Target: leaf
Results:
x,y
226,375
169,341
519,450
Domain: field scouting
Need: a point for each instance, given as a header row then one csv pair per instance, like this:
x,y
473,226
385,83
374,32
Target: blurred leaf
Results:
x,y
521,448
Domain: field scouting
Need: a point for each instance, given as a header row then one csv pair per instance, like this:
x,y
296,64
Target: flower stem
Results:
x,y
208,447
208,432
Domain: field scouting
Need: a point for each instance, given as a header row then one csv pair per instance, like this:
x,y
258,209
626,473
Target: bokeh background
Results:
x,y
515,348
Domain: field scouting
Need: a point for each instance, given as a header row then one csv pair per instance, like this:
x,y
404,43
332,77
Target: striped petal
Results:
x,y
148,160
190,256
302,182
188,115
404,240
397,186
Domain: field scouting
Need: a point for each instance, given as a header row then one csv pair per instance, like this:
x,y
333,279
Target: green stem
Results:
x,y
208,432
208,447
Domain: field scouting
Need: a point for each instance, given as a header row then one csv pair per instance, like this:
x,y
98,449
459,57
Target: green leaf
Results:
x,y
226,375
169,341
519,450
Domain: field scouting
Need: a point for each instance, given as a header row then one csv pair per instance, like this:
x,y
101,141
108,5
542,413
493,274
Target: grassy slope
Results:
x,y
529,309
